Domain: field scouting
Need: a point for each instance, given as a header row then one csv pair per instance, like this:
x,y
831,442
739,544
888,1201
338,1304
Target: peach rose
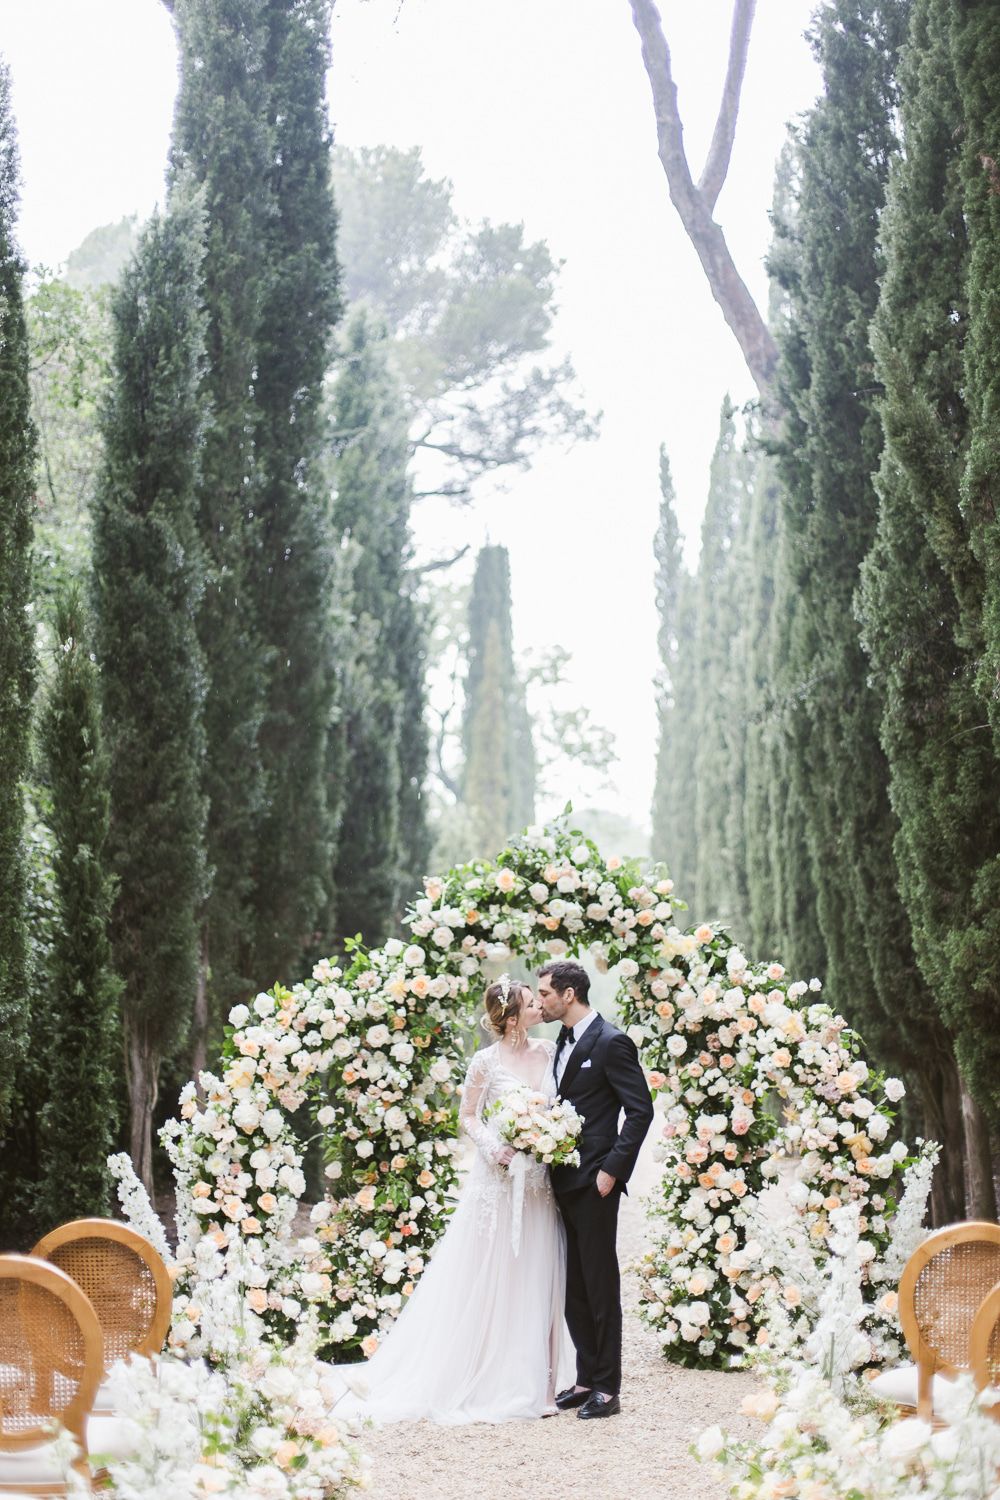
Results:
x,y
250,1225
268,1202
257,1299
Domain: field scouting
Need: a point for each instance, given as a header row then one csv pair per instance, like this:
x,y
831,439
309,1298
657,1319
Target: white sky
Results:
x,y
538,110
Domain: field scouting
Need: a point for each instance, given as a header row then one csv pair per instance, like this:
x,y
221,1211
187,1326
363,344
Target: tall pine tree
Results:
x,y
83,1038
148,576
920,601
671,828
832,446
718,707
17,459
498,779
291,562
383,837
222,139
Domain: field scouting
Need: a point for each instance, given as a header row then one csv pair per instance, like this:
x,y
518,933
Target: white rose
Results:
x,y
326,1115
377,1036
904,1440
273,1124
414,956
443,937
246,1116
264,1005
239,1016
628,968
440,1071
676,1046
538,892
894,1090
364,1149
710,1443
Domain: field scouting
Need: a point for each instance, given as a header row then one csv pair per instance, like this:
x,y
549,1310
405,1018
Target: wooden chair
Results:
x,y
51,1361
940,1292
125,1279
984,1345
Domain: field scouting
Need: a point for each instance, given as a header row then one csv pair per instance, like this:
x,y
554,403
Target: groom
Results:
x,y
597,1069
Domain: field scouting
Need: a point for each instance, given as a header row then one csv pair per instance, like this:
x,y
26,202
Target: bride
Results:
x,y
482,1336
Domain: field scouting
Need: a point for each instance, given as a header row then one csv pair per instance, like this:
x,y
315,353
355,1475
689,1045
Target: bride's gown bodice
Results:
x,y
482,1338
489,1183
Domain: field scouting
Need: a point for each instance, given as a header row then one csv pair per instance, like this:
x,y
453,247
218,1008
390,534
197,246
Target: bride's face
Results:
x,y
531,1011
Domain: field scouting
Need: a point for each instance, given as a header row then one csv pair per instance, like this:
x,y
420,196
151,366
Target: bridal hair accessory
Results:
x,y
504,983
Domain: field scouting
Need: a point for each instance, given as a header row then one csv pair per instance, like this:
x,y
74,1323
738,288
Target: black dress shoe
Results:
x,y
567,1399
600,1405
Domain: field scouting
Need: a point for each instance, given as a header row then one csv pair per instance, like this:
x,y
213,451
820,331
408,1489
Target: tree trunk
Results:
x,y
695,202
940,1092
142,1068
199,1020
981,1199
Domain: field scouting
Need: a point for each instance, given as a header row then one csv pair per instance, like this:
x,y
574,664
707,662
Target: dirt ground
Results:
x,y
639,1455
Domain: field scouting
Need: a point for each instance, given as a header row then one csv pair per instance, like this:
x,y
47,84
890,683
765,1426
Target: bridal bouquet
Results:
x,y
546,1129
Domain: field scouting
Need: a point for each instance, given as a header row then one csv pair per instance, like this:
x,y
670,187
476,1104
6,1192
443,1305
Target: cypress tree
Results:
x,y
717,755
498,781
761,809
147,579
17,460
222,140
383,835
832,446
670,715
290,571
977,58
920,604
82,1041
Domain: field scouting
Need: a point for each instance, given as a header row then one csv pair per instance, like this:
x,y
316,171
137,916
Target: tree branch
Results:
x,y
720,151
439,564
727,286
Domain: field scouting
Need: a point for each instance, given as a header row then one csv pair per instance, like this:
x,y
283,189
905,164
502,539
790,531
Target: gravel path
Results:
x,y
639,1455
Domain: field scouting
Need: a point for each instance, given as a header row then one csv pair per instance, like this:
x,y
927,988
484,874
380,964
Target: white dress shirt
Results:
x,y
578,1030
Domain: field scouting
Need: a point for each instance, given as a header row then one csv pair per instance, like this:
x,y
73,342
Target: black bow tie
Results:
x,y
565,1035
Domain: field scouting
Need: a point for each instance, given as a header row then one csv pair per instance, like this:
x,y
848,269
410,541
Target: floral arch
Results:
x,y
749,1068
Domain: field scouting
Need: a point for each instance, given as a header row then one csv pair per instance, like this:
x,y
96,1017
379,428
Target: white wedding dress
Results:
x,y
482,1338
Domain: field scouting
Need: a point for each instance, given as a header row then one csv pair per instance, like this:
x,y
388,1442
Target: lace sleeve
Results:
x,y
470,1115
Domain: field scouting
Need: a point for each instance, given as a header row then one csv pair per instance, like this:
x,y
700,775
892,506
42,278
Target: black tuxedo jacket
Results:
x,y
602,1077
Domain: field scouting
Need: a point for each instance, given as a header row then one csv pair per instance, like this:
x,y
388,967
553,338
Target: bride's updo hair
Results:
x,y
502,1001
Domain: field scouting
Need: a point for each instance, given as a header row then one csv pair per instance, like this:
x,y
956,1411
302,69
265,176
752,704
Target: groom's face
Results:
x,y
554,1005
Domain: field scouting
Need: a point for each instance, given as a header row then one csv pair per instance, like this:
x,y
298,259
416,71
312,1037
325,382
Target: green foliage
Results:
x,y
383,834
290,565
977,55
469,308
922,584
839,775
70,333
102,255
148,575
498,781
222,139
17,663
718,709
78,1029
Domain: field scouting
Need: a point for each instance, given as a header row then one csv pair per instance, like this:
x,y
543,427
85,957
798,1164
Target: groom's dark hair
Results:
x,y
566,975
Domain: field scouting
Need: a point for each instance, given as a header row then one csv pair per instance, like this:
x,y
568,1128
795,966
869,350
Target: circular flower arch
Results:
x,y
748,1066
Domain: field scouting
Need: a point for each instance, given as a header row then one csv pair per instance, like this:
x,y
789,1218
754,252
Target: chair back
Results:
x,y
51,1353
123,1276
984,1344
940,1292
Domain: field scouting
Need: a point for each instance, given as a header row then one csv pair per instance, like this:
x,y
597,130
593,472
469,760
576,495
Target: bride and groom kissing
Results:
x,y
529,1254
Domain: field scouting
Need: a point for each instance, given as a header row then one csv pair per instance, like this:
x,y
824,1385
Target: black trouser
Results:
x,y
593,1286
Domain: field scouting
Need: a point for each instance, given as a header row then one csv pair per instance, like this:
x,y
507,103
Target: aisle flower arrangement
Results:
x,y
227,1408
752,1070
824,1438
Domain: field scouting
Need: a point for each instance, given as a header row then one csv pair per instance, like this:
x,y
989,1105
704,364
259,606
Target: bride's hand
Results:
x,y
505,1155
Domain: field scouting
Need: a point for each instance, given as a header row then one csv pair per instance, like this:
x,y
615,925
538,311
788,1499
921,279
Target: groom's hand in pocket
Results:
x,y
605,1182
